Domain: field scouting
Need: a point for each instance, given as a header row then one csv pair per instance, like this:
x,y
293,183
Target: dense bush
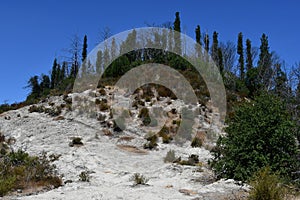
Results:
x,y
259,133
19,170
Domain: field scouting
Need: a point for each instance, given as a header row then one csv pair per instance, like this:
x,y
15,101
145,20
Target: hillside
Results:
x,y
110,157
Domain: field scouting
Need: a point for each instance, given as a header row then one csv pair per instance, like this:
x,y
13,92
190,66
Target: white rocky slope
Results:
x,y
110,164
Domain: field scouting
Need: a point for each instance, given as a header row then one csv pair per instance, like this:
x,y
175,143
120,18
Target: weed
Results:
x,y
139,179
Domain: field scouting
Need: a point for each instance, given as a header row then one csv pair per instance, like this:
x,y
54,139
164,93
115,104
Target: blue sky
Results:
x,y
33,32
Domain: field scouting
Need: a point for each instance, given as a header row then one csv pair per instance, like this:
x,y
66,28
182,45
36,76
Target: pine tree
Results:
x,y
240,52
33,83
54,74
84,48
214,48
45,84
177,35
249,61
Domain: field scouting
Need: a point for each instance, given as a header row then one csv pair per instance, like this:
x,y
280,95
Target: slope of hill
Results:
x,y
108,158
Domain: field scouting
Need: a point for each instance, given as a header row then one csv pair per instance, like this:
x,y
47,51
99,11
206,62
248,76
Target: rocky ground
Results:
x,y
110,157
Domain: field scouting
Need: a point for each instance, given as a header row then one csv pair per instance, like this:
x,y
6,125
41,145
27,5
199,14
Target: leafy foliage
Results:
x,y
260,133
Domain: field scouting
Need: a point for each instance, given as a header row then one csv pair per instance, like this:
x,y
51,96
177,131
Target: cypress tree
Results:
x,y
54,74
249,61
198,39
198,35
220,60
240,52
214,48
265,61
177,38
206,42
84,48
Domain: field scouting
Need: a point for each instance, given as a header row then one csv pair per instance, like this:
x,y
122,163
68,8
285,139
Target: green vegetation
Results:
x,y
260,133
84,176
266,186
139,179
19,170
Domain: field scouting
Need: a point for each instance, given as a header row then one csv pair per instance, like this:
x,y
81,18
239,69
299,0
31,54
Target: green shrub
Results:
x,y
84,176
6,184
196,142
139,179
19,170
77,141
35,108
266,186
152,142
259,133
165,135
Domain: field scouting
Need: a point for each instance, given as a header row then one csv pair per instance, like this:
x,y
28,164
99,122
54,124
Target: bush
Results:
x,y
19,170
139,179
165,135
152,142
77,141
266,186
84,176
259,133
196,142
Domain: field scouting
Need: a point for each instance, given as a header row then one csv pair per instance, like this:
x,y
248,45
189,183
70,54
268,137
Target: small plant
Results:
x,y
144,112
84,176
102,91
170,157
139,179
165,135
77,141
103,105
152,142
196,142
35,108
193,160
266,186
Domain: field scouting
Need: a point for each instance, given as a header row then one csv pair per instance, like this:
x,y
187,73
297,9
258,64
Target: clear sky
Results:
x,y
33,32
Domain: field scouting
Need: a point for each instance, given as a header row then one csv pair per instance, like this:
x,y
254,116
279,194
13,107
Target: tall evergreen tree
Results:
x,y
240,52
198,39
265,62
220,60
249,56
99,62
206,42
54,74
84,48
45,84
63,71
33,83
214,47
177,36
198,35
